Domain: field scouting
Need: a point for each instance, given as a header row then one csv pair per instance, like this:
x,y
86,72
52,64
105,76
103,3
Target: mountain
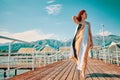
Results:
x,y
97,40
51,42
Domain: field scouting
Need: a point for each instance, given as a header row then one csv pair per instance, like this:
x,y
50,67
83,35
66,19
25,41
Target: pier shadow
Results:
x,y
93,75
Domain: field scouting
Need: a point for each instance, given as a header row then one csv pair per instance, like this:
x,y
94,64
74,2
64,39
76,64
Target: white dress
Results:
x,y
83,47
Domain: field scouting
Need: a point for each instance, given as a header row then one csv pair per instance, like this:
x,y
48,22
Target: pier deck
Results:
x,y
66,70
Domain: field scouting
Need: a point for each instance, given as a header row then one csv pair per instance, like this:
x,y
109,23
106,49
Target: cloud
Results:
x,y
106,33
53,9
50,1
30,35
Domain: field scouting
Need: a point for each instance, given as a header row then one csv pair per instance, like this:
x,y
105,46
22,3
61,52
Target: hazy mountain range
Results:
x,y
97,40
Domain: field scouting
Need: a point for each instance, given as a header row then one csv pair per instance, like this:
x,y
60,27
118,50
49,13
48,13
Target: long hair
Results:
x,y
79,15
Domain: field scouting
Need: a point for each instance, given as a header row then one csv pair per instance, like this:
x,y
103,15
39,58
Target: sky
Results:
x,y
32,20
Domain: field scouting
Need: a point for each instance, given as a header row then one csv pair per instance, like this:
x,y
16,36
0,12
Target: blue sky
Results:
x,y
41,19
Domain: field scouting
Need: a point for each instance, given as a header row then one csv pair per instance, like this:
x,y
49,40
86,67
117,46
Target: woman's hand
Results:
x,y
75,20
91,45
74,17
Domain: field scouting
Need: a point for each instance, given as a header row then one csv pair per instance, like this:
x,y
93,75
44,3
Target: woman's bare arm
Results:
x,y
90,34
75,20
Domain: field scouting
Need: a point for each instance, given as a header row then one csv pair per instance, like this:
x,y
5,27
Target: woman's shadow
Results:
x,y
105,75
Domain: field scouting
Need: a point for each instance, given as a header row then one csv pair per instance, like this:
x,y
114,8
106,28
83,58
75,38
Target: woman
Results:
x,y
82,42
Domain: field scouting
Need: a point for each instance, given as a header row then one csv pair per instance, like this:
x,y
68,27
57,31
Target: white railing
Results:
x,y
9,53
33,59
112,57
51,57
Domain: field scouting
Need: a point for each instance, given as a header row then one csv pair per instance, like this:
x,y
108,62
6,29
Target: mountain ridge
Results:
x,y
97,40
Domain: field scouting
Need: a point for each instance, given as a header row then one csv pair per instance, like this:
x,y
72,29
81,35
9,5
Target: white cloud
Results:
x,y
50,1
53,9
30,35
106,33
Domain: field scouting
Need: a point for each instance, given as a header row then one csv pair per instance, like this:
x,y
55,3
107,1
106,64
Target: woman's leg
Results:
x,y
79,74
83,71
84,66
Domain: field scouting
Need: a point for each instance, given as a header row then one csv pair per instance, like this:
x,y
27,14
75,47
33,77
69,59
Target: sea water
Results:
x,y
12,73
3,61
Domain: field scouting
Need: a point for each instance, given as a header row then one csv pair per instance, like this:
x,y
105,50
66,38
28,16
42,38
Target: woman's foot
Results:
x,y
82,76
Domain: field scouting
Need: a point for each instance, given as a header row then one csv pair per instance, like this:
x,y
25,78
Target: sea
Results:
x,y
3,60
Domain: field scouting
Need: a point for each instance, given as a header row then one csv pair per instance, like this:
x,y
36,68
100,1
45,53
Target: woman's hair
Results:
x,y
79,15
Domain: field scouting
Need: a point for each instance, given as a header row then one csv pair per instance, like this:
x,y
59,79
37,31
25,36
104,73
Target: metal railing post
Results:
x,y
9,53
33,59
8,67
117,59
44,58
56,57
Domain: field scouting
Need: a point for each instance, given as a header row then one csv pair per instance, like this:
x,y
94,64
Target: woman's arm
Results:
x,y
90,34
75,20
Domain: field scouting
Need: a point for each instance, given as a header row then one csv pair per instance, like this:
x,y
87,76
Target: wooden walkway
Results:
x,y
66,70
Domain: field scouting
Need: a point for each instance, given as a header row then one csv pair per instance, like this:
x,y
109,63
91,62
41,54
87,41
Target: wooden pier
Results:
x,y
17,67
66,70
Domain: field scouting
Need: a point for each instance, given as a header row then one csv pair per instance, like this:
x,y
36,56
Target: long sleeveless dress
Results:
x,y
80,45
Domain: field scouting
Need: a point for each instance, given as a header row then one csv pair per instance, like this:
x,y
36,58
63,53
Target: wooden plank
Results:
x,y
32,73
110,72
62,72
40,75
66,73
76,75
57,69
102,73
92,72
71,73
67,70
102,70
98,73
90,75
87,74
